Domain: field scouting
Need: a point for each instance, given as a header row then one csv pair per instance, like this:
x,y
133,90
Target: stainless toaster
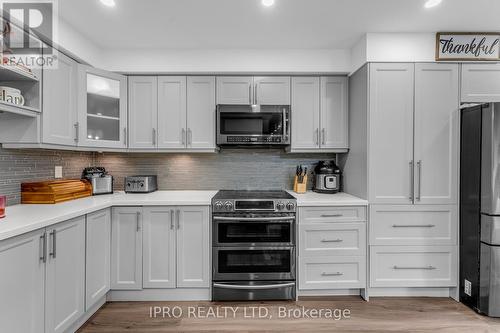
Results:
x,y
102,183
141,184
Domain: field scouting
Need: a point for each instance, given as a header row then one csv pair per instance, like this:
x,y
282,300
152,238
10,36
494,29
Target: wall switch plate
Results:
x,y
468,288
58,172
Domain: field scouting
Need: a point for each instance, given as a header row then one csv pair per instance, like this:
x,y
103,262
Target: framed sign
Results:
x,y
468,46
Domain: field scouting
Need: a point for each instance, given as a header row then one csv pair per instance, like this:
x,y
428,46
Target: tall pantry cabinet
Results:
x,y
410,112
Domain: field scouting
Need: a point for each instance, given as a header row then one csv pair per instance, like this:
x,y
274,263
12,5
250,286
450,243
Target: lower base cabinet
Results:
x,y
160,247
65,275
98,257
338,272
22,283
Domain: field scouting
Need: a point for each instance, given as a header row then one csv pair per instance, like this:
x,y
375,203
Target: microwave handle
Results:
x,y
285,119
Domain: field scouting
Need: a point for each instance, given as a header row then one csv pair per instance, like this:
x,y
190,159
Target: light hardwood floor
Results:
x,y
379,315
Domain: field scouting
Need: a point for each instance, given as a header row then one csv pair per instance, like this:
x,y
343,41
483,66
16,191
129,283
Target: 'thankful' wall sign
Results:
x,y
472,46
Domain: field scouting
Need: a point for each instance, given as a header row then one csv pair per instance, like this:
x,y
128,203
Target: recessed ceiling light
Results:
x,y
432,3
108,3
267,3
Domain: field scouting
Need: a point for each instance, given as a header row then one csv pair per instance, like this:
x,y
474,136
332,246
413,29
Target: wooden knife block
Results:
x,y
55,191
300,187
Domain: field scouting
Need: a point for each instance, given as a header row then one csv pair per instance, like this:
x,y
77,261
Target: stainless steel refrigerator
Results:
x,y
480,208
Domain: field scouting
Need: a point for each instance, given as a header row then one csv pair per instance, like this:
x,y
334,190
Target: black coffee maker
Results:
x,y
327,177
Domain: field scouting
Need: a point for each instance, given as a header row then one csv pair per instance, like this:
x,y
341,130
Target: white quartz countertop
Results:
x,y
25,218
320,199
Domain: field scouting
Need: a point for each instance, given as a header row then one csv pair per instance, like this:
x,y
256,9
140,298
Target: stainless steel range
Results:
x,y
253,252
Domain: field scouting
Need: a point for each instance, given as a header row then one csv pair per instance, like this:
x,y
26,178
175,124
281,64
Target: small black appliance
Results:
x,y
327,177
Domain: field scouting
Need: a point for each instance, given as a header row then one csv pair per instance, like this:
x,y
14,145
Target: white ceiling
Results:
x,y
246,24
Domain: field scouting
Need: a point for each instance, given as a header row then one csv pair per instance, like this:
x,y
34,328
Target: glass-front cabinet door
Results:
x,y
102,117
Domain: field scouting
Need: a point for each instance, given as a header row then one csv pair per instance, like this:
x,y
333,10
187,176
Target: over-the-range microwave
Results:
x,y
267,125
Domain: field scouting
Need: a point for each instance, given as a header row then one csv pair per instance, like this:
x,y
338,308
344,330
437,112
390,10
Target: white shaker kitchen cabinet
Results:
x,y
201,112
159,254
334,119
142,111
391,133
98,256
193,248
65,275
237,90
272,90
59,114
102,108
22,283
436,133
480,83
305,112
126,248
172,130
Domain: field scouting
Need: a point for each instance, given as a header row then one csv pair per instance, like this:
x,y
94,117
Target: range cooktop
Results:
x,y
244,194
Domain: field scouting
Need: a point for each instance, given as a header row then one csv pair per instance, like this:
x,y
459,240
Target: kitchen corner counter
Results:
x,y
319,199
21,219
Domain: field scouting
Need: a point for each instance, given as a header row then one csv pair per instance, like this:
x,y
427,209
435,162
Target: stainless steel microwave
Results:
x,y
267,125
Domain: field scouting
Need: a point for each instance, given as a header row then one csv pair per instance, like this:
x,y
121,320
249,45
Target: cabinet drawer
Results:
x,y
332,214
410,225
332,272
324,239
413,266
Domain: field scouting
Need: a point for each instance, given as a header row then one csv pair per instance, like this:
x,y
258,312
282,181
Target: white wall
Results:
x,y
225,61
78,46
358,54
395,47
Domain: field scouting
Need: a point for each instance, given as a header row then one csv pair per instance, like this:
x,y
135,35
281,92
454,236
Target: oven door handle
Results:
x,y
259,287
236,219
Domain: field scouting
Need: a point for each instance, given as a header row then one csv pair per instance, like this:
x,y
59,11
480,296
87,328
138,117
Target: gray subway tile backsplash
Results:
x,y
228,169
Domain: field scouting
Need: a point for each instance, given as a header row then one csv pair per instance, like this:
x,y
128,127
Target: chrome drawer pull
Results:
x,y
429,268
413,225
332,240
332,274
332,215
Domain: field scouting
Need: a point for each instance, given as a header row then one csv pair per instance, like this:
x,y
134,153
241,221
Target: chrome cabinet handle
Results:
x,y
125,139
413,225
178,218
43,247
332,274
419,174
332,215
261,287
255,101
323,135
429,268
190,137
250,94
154,137
316,136
183,136
172,219
412,184
77,131
138,220
332,240
53,244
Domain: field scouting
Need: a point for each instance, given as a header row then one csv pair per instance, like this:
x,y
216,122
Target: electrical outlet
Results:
x,y
58,172
468,288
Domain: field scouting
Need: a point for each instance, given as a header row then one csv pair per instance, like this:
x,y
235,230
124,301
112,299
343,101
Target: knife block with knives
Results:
x,y
300,181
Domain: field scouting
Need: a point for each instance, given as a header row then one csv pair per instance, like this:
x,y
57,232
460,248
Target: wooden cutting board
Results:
x,y
55,191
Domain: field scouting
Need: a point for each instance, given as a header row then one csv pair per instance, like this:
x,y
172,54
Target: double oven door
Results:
x,y
254,247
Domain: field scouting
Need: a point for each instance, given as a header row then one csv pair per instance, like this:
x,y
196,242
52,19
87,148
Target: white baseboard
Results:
x,y
178,294
86,316
409,292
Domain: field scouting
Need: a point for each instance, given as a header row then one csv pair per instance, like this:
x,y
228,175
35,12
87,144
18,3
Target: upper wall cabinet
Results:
x,y
236,90
172,112
480,83
143,111
60,115
319,114
246,90
272,90
102,102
